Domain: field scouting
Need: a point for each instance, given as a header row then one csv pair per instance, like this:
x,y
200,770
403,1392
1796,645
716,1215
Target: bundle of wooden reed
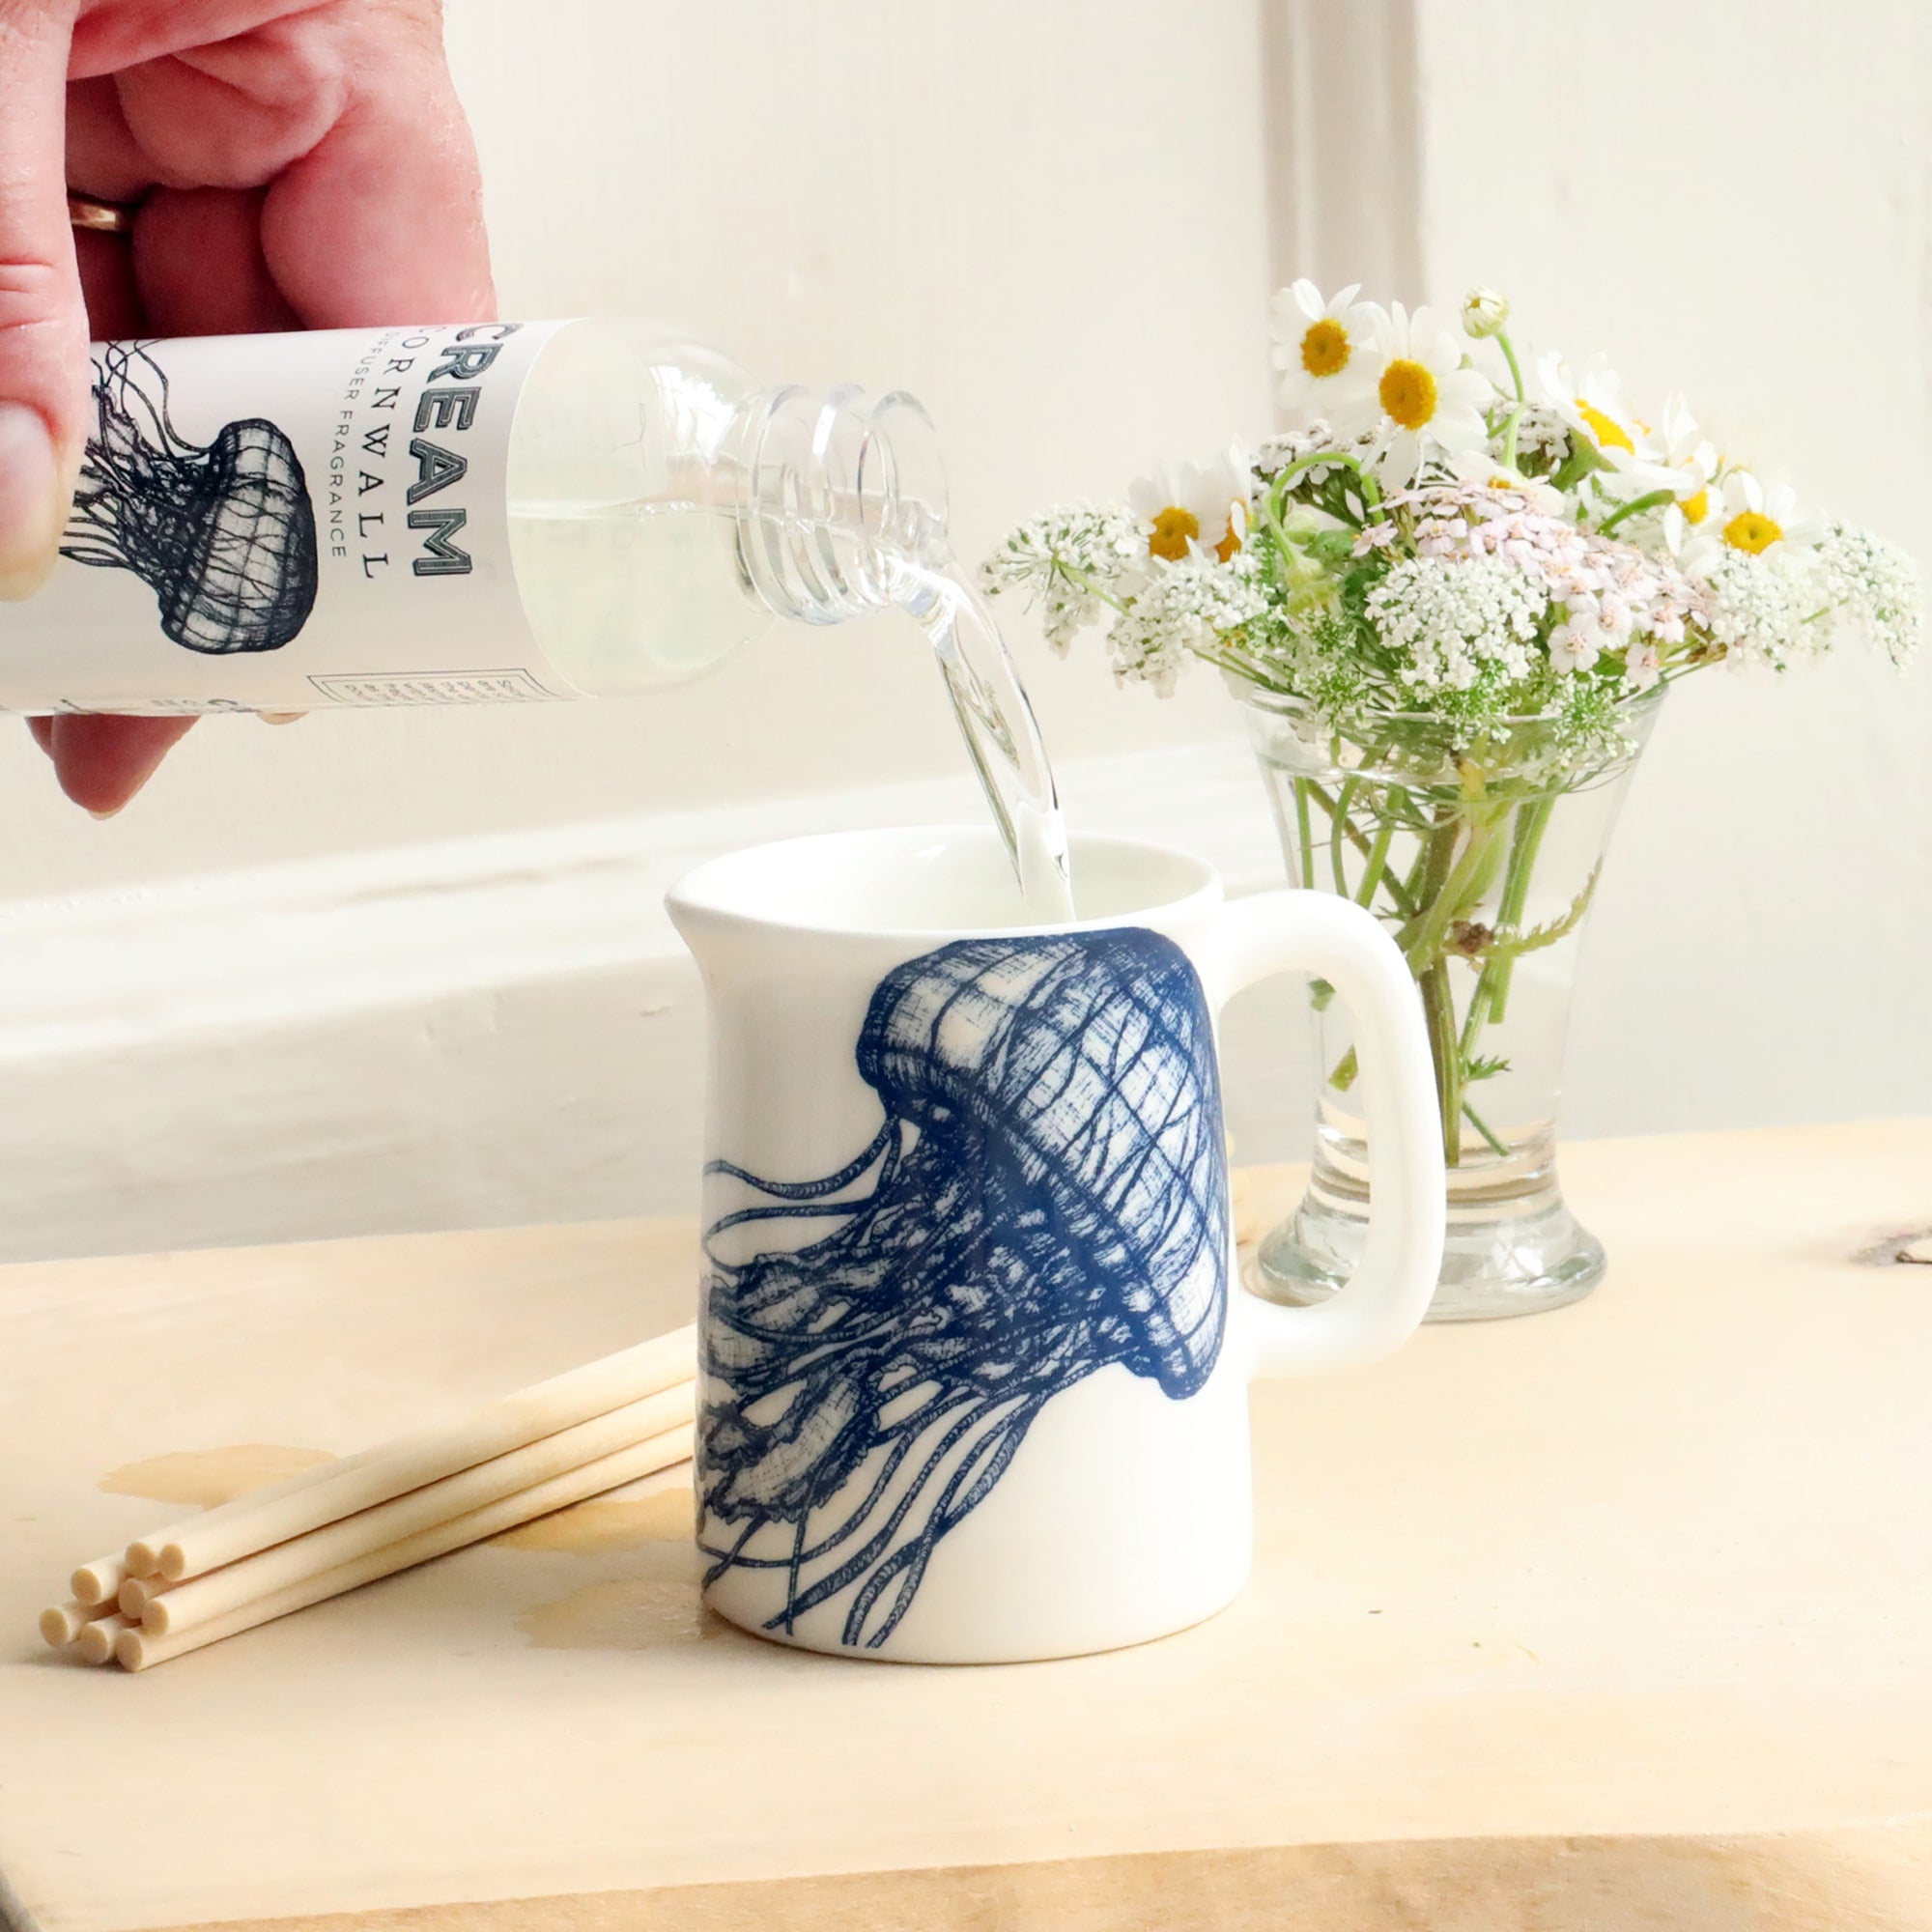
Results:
x,y
348,1522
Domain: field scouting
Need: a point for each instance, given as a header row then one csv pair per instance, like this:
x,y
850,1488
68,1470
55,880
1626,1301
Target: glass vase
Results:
x,y
1481,858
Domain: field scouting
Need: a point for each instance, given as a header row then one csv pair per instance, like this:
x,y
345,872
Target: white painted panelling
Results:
x,y
490,1029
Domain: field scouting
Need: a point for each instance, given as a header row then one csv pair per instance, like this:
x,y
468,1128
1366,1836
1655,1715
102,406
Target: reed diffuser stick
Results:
x,y
98,1582
138,1592
138,1648
335,1489
62,1622
96,1643
220,1591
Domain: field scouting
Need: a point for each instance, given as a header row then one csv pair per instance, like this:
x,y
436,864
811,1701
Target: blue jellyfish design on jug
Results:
x,y
1048,1196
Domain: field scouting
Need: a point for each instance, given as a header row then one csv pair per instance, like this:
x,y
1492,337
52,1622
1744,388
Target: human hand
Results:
x,y
295,167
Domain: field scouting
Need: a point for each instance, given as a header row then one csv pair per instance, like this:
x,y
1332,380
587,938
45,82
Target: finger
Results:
x,y
44,369
107,282
103,160
102,762
199,268
109,37
236,113
382,221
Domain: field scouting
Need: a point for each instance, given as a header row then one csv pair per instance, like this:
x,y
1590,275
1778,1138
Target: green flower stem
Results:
x,y
1277,495
1439,1010
1432,974
1087,582
1512,425
1483,1127
1656,500
1379,852
1502,340
1338,843
1304,831
1452,887
1461,852
1401,895
1532,821
1514,421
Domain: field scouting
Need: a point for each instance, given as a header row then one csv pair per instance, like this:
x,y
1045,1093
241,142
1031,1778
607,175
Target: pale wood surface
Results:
x,y
1616,1617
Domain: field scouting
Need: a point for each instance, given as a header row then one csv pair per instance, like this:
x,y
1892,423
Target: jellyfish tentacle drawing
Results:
x,y
1047,1198
223,533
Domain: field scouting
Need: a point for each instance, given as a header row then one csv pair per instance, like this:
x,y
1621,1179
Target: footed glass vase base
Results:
x,y
1534,1254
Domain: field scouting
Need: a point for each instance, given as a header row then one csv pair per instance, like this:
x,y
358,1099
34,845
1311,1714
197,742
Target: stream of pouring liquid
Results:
x,y
1002,736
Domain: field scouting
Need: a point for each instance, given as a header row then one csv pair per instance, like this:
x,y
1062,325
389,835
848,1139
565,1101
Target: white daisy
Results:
x,y
1196,508
1591,402
1753,516
1484,314
1421,401
1690,531
1321,346
1591,405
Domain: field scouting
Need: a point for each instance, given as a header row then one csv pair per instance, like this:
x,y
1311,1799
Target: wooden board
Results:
x,y
1620,1616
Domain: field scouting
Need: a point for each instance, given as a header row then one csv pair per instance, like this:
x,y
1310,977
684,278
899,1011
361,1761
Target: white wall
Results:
x,y
1730,201
1056,223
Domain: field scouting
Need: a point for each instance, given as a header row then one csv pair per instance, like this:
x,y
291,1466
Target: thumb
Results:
x,y
43,368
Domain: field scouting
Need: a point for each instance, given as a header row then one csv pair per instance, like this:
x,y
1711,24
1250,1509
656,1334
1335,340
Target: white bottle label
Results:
x,y
287,522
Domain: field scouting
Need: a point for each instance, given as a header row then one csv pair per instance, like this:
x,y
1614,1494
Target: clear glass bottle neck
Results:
x,y
840,500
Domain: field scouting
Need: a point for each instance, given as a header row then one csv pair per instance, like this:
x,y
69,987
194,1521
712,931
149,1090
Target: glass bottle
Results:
x,y
457,513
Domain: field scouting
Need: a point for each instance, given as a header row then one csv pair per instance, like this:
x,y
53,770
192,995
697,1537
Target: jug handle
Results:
x,y
1287,930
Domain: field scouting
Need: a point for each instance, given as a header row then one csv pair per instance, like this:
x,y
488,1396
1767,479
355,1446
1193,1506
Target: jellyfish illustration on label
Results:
x,y
223,533
1048,1197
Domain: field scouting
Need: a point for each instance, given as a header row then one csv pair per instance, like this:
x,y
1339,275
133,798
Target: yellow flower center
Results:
x,y
1697,508
1229,544
1609,434
1408,392
1753,532
1173,529
1324,348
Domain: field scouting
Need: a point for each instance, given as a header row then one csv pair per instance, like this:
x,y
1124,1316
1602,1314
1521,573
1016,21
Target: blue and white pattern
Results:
x,y
1047,1196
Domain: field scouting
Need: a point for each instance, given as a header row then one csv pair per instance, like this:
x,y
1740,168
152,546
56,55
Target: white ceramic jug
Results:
x,y
973,1354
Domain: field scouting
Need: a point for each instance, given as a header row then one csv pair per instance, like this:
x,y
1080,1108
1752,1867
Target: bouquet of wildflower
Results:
x,y
1467,586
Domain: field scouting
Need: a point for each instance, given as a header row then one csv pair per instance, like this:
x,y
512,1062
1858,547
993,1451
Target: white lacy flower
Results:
x,y
1073,558
1287,448
1423,401
1873,589
1758,604
1184,608
1321,346
1755,517
1457,617
1541,432
1197,506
